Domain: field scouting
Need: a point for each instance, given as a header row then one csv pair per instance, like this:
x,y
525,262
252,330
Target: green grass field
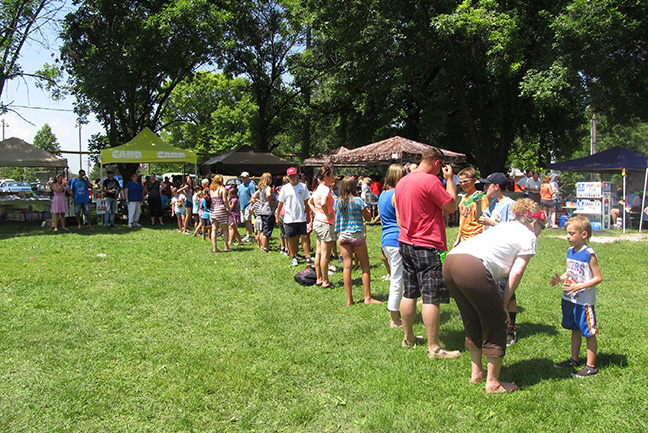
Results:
x,y
163,335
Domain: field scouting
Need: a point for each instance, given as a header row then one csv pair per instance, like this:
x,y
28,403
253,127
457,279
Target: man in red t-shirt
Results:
x,y
420,200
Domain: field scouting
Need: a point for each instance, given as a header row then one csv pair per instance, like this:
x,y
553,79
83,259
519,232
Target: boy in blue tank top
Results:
x,y
579,295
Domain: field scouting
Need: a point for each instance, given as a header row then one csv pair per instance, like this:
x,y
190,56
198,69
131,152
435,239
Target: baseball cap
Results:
x,y
498,179
245,174
291,171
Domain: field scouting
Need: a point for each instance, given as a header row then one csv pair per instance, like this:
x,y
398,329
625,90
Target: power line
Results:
x,y
43,108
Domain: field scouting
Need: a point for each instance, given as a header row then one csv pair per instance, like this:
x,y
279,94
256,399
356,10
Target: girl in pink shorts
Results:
x,y
349,225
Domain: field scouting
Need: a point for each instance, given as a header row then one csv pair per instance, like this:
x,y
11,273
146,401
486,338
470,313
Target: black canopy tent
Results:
x,y
612,160
246,158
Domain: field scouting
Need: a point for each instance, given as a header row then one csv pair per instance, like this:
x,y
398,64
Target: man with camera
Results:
x,y
80,188
420,200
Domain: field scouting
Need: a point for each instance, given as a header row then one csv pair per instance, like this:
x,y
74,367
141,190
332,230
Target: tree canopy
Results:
x,y
210,113
22,22
124,59
46,140
491,78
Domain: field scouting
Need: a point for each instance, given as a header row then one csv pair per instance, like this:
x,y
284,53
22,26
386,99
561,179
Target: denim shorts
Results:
x,y
79,206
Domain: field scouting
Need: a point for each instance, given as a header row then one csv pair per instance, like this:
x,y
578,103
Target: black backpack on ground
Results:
x,y
307,277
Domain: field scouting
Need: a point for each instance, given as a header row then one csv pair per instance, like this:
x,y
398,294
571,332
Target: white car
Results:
x,y
14,187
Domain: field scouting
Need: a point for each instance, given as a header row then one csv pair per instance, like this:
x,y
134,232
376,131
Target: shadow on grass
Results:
x,y
454,339
611,360
529,372
30,228
527,329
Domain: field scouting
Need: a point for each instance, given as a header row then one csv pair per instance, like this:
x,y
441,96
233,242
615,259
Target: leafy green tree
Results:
x,y
210,113
602,46
262,37
124,59
96,144
375,72
492,49
46,140
22,22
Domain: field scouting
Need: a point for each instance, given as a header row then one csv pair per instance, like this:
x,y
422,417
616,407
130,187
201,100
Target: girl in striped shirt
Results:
x,y
349,213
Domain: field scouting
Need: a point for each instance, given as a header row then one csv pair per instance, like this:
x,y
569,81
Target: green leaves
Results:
x,y
46,140
125,59
212,112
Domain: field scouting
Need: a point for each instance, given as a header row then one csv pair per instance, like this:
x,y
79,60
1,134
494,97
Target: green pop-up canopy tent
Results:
x,y
147,147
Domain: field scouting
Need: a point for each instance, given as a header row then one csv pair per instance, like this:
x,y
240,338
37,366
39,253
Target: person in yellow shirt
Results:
x,y
470,207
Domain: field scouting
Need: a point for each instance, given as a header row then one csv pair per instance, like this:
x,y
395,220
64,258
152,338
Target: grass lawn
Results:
x,y
163,335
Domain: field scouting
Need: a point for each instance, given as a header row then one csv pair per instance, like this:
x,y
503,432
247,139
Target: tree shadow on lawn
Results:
x,y
27,228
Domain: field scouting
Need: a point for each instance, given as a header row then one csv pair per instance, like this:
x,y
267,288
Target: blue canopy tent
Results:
x,y
616,159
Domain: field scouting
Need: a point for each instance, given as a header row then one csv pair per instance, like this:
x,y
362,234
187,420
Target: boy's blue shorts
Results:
x,y
206,222
579,318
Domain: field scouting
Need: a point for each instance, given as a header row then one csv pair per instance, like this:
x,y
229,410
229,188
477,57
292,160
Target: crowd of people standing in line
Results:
x,y
495,242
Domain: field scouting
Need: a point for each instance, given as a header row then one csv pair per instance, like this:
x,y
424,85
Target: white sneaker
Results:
x,y
137,224
294,262
130,225
333,269
310,260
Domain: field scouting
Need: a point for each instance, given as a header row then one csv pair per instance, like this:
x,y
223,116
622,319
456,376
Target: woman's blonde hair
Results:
x,y
394,173
581,224
526,211
266,179
217,182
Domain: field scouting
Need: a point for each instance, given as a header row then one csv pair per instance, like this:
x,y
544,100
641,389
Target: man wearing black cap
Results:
x,y
110,188
500,210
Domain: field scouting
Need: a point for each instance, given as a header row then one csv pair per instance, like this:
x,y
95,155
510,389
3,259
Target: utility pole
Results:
x,y
593,135
593,176
3,137
78,125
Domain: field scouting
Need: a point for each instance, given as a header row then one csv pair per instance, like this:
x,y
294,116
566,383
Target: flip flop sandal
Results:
x,y
444,354
417,340
504,389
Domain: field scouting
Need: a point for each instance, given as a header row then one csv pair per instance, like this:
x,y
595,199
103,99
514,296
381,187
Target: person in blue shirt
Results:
x,y
389,242
579,295
245,191
81,197
134,195
500,210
